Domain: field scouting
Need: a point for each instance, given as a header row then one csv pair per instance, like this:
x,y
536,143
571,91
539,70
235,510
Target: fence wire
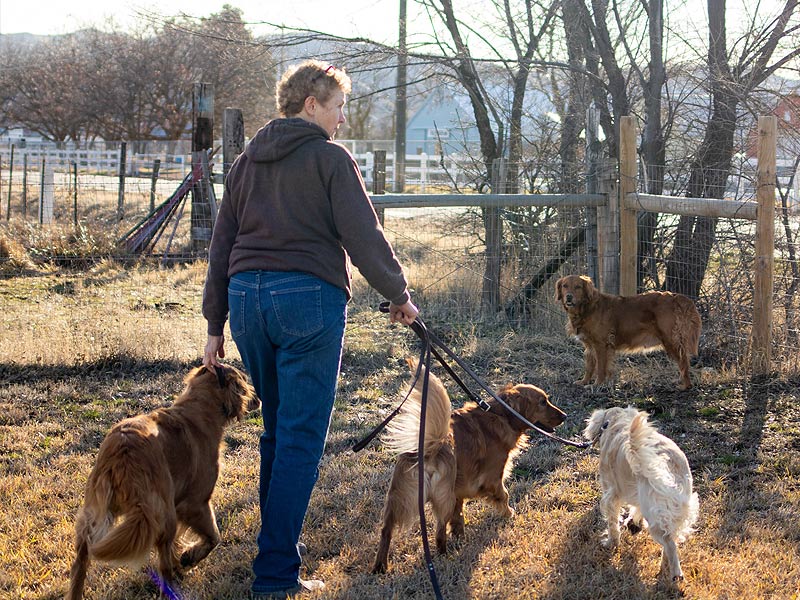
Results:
x,y
443,250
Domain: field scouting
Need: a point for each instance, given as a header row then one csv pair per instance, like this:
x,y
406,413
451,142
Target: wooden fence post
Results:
x,y
608,229
493,226
627,217
25,185
123,150
232,137
202,140
593,166
765,245
75,194
153,181
379,178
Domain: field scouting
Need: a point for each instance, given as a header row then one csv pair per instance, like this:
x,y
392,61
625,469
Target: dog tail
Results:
x,y
672,482
402,432
687,326
130,539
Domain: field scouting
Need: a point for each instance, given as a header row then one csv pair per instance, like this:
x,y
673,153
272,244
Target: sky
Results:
x,y
376,19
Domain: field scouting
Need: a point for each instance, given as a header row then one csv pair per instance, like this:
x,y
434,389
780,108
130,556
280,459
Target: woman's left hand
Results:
x,y
215,347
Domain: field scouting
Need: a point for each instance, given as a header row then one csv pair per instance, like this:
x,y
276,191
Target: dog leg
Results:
x,y
605,356
499,499
457,520
443,502
77,574
634,522
165,544
381,563
670,563
610,508
203,522
589,362
682,358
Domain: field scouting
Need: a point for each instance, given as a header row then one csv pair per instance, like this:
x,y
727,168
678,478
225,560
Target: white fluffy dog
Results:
x,y
647,471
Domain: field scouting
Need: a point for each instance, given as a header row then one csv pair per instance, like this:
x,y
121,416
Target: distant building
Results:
x,y
441,126
19,136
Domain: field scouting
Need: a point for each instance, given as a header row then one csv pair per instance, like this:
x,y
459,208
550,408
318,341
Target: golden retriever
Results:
x,y
649,473
607,324
154,476
468,454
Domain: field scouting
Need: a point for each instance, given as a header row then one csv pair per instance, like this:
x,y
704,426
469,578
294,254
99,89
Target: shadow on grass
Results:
x,y
118,366
583,564
752,492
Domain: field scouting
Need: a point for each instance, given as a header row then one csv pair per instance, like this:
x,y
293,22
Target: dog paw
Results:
x,y
507,512
632,526
608,542
378,568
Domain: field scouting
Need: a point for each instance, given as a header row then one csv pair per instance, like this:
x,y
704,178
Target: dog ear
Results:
x,y
559,283
592,293
239,397
510,394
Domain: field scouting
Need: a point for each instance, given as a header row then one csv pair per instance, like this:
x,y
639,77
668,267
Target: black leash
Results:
x,y
423,362
430,342
426,356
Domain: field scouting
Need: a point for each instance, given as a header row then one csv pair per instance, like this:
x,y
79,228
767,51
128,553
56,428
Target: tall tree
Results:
x,y
732,80
523,26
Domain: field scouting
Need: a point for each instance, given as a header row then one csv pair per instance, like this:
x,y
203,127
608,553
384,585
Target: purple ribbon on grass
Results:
x,y
163,585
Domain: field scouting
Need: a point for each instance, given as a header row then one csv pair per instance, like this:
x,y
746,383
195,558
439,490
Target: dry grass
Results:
x,y
85,349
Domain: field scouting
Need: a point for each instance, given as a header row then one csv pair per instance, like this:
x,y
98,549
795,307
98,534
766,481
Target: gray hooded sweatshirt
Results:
x,y
295,201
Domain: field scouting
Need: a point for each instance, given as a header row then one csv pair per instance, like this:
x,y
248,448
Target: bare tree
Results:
x,y
524,25
43,88
732,80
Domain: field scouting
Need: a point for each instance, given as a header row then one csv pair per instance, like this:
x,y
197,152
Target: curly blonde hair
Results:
x,y
309,78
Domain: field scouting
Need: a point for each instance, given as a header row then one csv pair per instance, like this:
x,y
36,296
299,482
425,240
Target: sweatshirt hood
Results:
x,y
281,137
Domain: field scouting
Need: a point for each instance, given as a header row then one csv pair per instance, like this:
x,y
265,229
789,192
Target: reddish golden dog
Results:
x,y
607,324
468,454
154,476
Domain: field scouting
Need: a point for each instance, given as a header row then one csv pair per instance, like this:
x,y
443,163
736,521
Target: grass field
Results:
x,y
83,350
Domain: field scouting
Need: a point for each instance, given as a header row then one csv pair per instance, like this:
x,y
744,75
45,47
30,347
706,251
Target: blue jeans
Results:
x,y
289,329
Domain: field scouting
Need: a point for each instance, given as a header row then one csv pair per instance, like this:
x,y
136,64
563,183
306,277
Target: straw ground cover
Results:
x,y
85,349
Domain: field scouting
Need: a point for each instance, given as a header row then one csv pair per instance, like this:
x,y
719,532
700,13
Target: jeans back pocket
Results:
x,y
299,309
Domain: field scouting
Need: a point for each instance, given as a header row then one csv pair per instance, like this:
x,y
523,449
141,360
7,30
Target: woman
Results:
x,y
294,214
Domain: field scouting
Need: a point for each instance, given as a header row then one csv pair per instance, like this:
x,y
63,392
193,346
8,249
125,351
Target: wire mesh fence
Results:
x,y
443,249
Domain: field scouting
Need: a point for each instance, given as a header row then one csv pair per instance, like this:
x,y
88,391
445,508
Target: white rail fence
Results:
x,y
423,172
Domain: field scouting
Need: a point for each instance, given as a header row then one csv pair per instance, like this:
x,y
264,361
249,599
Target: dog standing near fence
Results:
x,y
607,324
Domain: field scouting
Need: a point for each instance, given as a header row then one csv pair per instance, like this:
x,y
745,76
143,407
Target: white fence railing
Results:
x,y
422,172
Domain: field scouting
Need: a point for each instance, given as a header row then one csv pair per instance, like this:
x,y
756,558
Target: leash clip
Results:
x,y
484,405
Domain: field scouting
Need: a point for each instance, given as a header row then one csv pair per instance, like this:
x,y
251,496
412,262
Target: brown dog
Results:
x,y
155,473
468,454
607,324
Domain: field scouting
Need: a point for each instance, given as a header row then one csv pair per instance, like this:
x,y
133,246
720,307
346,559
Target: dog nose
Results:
x,y
569,297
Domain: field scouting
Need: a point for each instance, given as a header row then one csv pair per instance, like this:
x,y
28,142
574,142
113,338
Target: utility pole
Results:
x,y
400,106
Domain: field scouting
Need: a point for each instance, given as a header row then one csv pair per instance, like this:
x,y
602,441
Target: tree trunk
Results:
x,y
687,263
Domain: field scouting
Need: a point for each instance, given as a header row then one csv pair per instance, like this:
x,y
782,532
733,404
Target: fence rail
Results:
x,y
538,236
